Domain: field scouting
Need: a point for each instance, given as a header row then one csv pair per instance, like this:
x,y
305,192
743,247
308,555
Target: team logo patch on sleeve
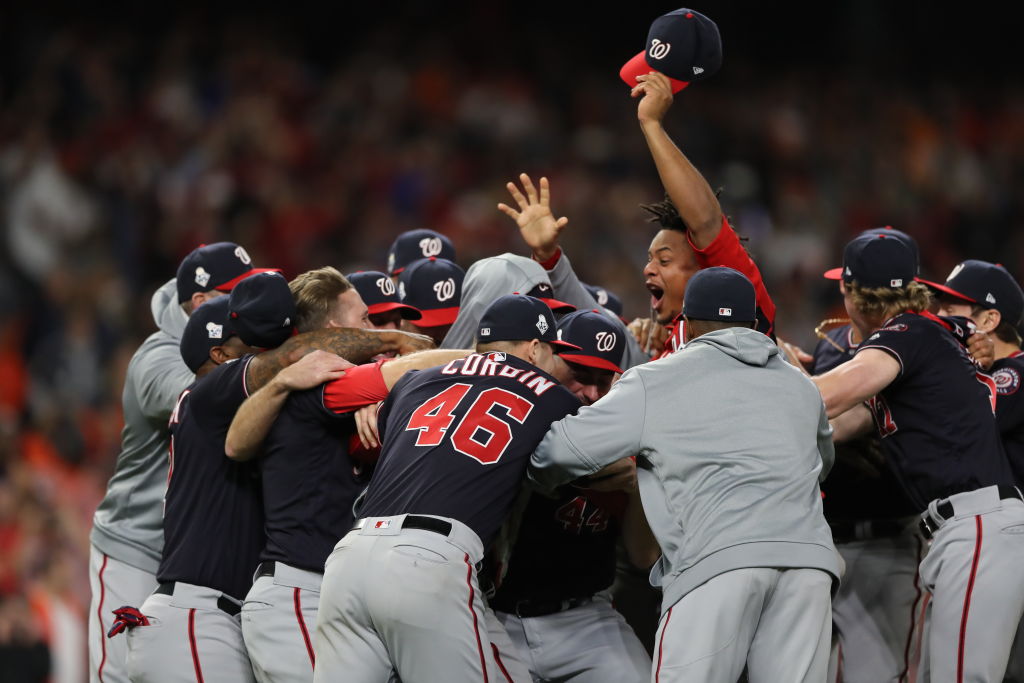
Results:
x,y
1007,381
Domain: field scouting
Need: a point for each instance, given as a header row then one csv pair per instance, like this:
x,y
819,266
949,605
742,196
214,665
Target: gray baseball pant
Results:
x,y
114,584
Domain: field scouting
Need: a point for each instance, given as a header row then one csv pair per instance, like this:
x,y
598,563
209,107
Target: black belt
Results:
x,y
438,526
267,569
845,530
945,510
538,608
223,604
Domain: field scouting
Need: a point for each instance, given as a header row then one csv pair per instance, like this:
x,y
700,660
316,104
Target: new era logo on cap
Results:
x,y
989,298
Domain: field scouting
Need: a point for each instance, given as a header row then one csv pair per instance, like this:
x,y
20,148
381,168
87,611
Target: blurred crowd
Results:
x,y
119,153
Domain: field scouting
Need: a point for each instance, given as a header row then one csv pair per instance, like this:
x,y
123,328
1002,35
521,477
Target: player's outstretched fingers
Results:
x,y
531,191
513,190
508,211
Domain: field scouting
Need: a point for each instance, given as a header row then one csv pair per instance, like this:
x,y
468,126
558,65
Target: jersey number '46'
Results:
x,y
480,434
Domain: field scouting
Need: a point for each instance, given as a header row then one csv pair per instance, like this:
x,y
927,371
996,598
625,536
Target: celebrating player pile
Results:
x,y
308,490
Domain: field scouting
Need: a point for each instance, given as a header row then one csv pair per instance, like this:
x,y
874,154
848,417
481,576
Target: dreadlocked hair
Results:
x,y
667,215
885,302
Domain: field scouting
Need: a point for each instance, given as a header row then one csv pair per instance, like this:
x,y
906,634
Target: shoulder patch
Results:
x,y
1007,381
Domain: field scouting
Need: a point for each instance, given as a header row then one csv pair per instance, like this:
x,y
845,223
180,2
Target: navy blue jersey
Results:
x,y
310,480
213,515
858,487
565,547
937,418
457,439
1008,374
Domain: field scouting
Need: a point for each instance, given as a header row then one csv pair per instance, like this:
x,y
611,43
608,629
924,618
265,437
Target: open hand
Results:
x,y
537,224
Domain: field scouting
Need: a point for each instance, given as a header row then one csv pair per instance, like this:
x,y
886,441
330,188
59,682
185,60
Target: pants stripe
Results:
x,y
99,616
913,615
661,644
192,644
967,601
501,665
839,662
476,626
302,627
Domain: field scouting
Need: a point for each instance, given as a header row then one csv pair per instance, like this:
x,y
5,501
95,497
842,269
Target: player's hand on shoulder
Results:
x,y
312,370
655,91
537,224
649,334
619,476
982,348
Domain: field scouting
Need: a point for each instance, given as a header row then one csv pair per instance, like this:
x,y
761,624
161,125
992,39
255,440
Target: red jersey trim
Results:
x,y
551,262
360,386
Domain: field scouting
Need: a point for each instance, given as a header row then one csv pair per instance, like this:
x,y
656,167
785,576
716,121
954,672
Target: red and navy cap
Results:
x,y
545,293
517,317
262,310
380,294
601,342
888,231
684,45
414,245
720,293
433,286
606,299
988,285
219,266
879,260
209,326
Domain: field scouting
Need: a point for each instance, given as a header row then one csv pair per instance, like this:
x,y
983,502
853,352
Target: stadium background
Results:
x,y
129,134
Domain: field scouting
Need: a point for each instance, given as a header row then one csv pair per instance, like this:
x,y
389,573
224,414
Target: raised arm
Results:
x,y
693,198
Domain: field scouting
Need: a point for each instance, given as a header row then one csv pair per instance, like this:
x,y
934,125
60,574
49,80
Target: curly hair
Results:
x,y
665,214
884,302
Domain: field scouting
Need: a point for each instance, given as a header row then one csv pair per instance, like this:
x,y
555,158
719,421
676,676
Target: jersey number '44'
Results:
x,y
480,433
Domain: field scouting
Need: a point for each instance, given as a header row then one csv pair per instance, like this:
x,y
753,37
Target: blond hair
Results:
x,y
316,292
884,302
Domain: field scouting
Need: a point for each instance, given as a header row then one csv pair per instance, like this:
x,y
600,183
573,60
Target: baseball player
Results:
x,y
127,533
433,287
933,411
380,295
731,442
554,600
413,245
400,590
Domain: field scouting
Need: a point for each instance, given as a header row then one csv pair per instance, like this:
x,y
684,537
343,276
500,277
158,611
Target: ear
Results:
x,y
200,298
533,351
219,356
989,320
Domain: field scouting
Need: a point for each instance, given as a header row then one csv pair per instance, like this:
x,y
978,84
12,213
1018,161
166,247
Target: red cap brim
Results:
x,y
558,306
230,284
638,66
946,290
559,345
437,316
592,361
834,274
408,312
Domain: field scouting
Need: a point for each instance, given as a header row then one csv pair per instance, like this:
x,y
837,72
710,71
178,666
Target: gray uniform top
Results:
x,y
731,443
128,525
496,276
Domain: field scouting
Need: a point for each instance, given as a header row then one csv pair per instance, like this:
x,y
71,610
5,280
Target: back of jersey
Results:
x,y
457,439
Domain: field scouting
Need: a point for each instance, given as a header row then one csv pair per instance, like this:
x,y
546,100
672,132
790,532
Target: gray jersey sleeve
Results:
x,y
160,377
597,436
825,446
568,288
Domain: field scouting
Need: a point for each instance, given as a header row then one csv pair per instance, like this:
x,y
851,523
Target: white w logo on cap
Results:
x,y
659,49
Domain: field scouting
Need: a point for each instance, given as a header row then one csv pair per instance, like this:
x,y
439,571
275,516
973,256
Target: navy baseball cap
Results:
x,y
879,260
988,285
414,245
433,286
601,342
888,231
604,298
545,293
219,266
262,310
517,317
380,294
684,45
720,293
207,327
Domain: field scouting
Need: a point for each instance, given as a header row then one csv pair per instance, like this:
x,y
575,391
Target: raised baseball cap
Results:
x,y
601,342
219,266
380,294
414,245
433,286
879,260
518,317
262,310
988,285
545,293
720,293
888,231
684,45
605,298
207,327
